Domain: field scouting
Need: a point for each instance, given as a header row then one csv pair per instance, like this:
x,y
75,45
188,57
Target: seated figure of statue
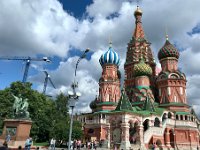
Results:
x,y
25,107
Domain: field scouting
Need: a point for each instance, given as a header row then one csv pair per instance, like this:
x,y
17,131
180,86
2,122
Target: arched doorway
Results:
x,y
169,115
133,132
157,122
146,124
117,135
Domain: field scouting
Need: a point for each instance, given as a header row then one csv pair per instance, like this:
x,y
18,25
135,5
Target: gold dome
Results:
x,y
138,11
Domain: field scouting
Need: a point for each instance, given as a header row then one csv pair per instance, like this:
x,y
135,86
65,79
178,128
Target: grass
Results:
x,y
41,144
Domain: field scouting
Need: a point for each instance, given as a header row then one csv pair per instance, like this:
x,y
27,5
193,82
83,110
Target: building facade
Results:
x,y
151,110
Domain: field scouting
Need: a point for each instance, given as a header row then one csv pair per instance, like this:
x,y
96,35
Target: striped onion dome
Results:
x,y
109,57
168,50
142,69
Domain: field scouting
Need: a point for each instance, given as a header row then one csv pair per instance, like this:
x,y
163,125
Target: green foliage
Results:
x,y
50,117
77,131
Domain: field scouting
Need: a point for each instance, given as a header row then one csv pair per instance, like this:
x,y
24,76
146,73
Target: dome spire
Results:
x,y
110,41
166,34
139,32
167,37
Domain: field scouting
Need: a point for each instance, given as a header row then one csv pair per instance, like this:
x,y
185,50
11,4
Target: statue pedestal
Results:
x,y
19,130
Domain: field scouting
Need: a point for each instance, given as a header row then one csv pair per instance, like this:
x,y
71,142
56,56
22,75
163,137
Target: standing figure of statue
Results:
x,y
20,107
17,104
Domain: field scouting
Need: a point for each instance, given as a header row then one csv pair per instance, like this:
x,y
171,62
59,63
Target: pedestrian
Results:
x,y
153,146
92,145
28,143
88,145
8,138
79,144
95,144
52,144
74,144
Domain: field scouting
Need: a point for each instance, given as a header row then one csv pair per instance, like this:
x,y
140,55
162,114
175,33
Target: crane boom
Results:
x,y
28,62
25,58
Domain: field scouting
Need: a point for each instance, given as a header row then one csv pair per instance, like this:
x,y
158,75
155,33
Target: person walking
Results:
x,y
28,143
53,144
8,138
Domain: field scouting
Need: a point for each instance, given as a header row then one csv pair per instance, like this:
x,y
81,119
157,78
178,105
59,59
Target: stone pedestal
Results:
x,y
19,131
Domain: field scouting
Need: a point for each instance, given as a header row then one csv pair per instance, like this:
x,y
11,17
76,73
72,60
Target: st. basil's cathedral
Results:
x,y
151,110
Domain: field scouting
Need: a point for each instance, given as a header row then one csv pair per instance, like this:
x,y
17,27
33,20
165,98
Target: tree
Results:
x,y
40,108
61,119
50,118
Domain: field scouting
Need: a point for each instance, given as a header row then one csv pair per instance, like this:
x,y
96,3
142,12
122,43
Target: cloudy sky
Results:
x,y
63,29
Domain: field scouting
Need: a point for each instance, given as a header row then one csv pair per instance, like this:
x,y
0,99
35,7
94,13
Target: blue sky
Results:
x,y
62,29
13,70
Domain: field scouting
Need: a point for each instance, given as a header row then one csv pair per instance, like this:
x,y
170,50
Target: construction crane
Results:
x,y
47,78
28,62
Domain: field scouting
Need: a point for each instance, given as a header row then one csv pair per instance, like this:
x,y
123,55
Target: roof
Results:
x,y
148,105
110,57
174,104
168,50
142,69
124,103
106,103
182,113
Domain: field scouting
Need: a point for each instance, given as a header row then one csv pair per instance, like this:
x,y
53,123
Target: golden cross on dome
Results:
x,y
110,41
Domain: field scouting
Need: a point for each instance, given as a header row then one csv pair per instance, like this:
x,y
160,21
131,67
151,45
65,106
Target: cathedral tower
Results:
x,y
171,82
109,83
137,47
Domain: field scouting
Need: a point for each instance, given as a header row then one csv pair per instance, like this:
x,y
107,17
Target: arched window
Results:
x,y
186,117
133,133
174,76
192,118
157,122
169,115
181,117
146,124
164,117
176,117
90,131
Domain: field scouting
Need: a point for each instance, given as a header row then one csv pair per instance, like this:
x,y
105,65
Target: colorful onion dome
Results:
x,y
142,69
138,11
168,50
109,57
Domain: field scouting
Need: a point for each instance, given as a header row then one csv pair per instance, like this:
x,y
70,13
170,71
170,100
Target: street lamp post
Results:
x,y
73,95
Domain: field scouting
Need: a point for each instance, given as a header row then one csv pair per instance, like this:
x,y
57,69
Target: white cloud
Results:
x,y
103,8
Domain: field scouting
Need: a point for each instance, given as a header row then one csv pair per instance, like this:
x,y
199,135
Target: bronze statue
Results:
x,y
20,107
